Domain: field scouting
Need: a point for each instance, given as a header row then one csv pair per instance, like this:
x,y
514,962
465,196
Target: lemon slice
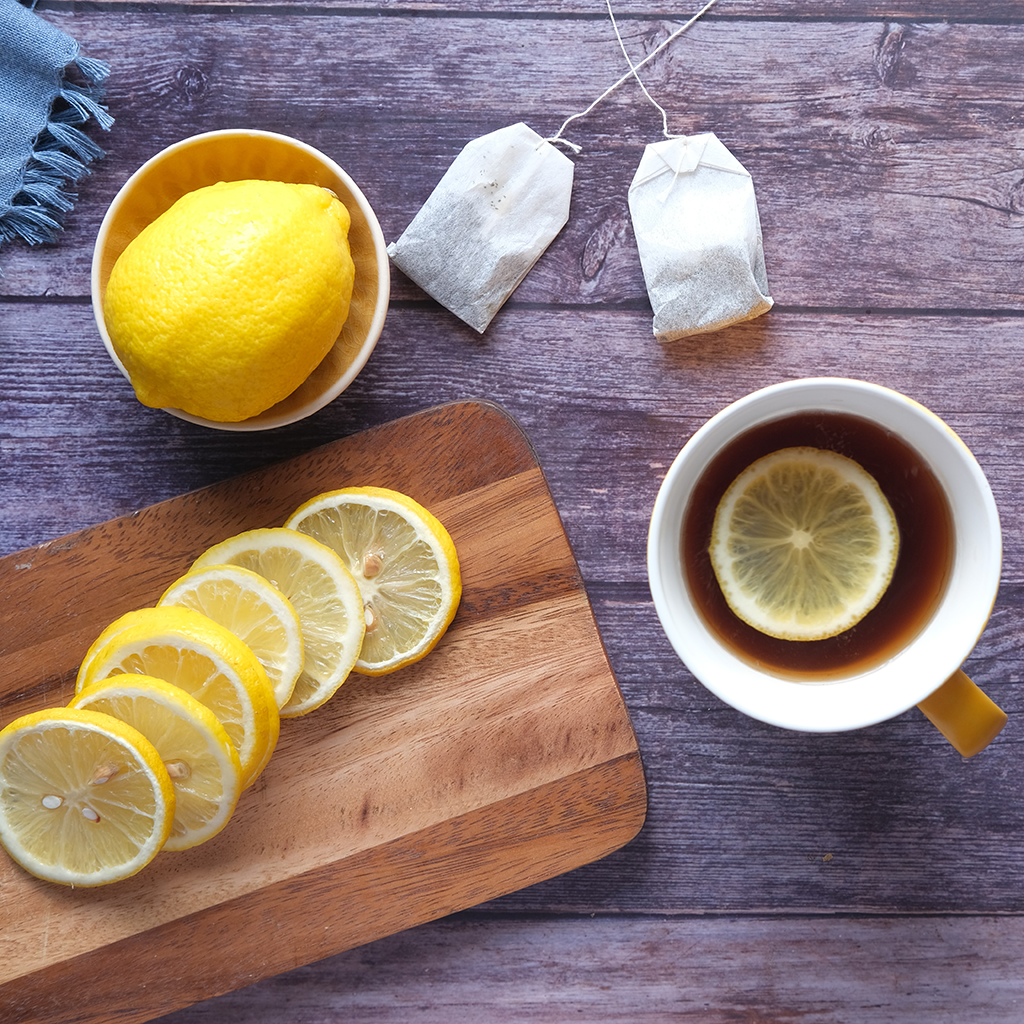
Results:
x,y
323,594
404,562
84,798
804,544
254,610
200,759
190,650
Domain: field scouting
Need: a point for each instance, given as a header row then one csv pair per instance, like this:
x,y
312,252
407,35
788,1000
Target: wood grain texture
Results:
x,y
420,876
885,145
363,801
893,145
988,11
606,408
614,971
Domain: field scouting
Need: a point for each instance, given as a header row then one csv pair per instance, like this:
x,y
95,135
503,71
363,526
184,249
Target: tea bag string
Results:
x,y
632,73
633,68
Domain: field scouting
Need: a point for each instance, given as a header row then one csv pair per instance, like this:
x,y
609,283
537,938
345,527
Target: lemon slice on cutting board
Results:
x,y
404,561
190,650
254,610
201,761
804,544
84,798
324,595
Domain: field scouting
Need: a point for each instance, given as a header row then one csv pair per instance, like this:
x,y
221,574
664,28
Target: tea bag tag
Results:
x,y
684,159
489,219
698,234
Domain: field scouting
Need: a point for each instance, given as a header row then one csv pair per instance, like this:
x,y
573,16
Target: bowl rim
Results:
x,y
380,309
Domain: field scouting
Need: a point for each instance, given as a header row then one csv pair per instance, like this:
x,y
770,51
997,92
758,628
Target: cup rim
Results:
x,y
383,265
862,698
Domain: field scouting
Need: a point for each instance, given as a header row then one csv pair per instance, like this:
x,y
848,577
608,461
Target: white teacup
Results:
x,y
923,671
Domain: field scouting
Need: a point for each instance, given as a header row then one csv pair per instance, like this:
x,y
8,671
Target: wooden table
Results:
x,y
868,876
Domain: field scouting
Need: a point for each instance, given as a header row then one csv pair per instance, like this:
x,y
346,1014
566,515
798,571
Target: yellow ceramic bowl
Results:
x,y
233,155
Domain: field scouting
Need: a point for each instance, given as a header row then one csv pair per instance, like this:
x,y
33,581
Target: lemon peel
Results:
x,y
254,610
324,595
190,650
201,761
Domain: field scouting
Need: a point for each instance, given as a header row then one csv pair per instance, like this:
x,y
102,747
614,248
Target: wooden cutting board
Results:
x,y
503,758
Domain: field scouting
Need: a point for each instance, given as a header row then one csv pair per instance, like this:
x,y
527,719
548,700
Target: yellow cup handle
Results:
x,y
968,718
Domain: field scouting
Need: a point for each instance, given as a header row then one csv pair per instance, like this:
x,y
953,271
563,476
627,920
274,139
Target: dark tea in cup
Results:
x,y
920,577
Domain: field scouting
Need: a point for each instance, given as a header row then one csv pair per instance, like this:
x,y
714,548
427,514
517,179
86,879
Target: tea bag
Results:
x,y
699,236
696,226
487,222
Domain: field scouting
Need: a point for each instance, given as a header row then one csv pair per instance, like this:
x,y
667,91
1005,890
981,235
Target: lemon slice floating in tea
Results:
x,y
404,561
200,759
84,798
804,544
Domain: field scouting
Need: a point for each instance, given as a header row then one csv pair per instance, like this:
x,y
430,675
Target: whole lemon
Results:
x,y
225,304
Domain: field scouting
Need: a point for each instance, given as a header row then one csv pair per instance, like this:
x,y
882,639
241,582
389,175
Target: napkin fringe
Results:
x,y
61,155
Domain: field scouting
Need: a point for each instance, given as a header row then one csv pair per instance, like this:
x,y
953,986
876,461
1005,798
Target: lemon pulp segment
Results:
x,y
137,616
190,650
201,761
254,610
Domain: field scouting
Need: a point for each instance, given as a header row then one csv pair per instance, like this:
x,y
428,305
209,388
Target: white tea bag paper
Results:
x,y
491,216
695,219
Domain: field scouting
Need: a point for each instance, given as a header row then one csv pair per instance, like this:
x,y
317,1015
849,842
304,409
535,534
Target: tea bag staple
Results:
x,y
699,236
487,222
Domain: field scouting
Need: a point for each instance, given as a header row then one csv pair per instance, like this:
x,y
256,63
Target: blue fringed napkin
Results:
x,y
42,146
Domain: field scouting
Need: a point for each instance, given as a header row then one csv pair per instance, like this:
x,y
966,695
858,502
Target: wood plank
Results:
x,y
893,144
365,799
606,408
822,970
373,894
794,10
